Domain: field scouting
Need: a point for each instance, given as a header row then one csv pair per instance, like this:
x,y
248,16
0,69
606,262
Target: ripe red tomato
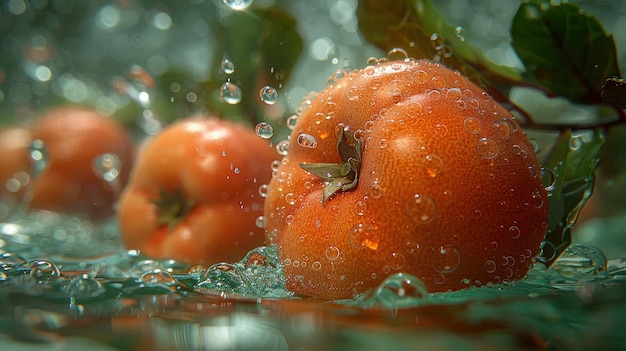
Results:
x,y
73,138
194,192
405,166
14,163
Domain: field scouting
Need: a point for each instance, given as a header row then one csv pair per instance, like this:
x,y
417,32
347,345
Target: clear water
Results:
x,y
69,282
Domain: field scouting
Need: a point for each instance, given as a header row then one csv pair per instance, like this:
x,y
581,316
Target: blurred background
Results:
x,y
166,59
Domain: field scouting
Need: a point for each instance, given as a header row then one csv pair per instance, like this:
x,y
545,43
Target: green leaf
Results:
x,y
420,29
573,161
264,45
565,50
614,91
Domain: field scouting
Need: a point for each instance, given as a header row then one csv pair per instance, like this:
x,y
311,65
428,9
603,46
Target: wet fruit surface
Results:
x,y
405,166
193,193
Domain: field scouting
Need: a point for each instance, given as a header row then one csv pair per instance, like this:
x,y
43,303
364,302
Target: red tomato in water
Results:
x,y
194,192
73,138
405,166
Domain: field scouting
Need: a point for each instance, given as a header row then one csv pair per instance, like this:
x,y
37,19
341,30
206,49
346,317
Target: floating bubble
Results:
x,y
291,121
264,190
268,95
446,259
230,93
238,5
227,66
260,222
38,154
282,147
264,130
307,140
420,208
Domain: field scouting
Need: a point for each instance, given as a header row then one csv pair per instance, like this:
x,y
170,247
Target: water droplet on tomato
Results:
x,y
359,208
446,259
260,222
420,208
332,253
230,93
290,198
472,125
363,236
490,266
264,130
487,148
353,93
433,165
307,140
268,95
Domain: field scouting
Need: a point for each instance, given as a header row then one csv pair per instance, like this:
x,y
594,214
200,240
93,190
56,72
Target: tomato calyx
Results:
x,y
172,207
342,176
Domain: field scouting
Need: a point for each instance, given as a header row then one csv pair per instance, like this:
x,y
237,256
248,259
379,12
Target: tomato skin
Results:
x,y
73,137
449,188
218,166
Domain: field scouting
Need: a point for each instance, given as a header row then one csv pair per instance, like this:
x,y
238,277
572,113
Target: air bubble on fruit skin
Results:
x,y
490,266
472,125
421,77
359,208
420,208
414,109
454,94
264,190
487,148
353,93
307,140
260,222
368,125
363,236
290,198
264,130
503,129
433,165
397,54
411,247
515,232
447,259
434,95
397,261
376,191
316,266
332,253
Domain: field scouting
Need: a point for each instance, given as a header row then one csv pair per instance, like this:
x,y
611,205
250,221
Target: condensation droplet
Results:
x,y
268,95
230,93
332,253
307,140
472,125
420,208
487,148
264,130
